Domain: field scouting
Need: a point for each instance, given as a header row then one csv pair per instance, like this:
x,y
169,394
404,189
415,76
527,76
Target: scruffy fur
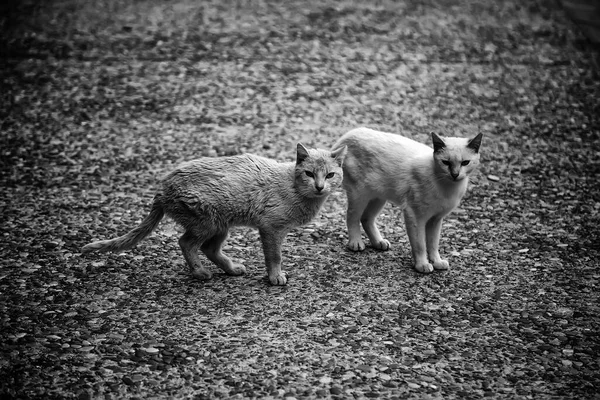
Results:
x,y
209,195
426,183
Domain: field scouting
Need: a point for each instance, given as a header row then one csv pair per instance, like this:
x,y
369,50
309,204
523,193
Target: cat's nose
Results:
x,y
454,175
319,188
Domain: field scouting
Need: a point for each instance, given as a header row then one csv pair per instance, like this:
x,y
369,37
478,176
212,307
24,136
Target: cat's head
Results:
x,y
318,172
455,158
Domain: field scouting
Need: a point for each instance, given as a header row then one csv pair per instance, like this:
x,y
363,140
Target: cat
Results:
x,y
426,183
207,196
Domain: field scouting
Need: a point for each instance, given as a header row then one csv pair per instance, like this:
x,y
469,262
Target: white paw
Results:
x,y
202,274
278,280
355,245
424,268
236,269
441,265
383,245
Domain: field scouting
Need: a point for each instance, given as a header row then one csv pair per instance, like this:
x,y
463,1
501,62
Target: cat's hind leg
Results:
x,y
356,206
368,218
415,228
190,243
212,248
433,229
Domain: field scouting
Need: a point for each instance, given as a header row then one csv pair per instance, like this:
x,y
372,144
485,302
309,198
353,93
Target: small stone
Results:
x,y
493,178
127,380
336,390
151,350
372,69
385,377
51,245
364,368
563,312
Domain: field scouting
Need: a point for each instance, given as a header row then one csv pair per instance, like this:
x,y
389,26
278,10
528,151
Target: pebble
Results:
x,y
372,69
364,368
127,380
493,178
336,390
151,350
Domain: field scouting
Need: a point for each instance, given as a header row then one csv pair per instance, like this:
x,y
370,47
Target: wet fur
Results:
x,y
426,183
209,195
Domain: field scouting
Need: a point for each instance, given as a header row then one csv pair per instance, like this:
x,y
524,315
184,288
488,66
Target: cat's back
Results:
x,y
221,175
381,155
376,142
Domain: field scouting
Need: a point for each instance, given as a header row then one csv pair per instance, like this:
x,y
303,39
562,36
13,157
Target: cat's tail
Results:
x,y
132,238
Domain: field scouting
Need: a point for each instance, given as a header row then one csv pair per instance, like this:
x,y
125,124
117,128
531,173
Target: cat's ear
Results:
x,y
339,154
301,154
438,143
475,143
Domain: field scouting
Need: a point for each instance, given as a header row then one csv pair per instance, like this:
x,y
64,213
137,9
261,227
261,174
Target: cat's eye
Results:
x,y
330,175
309,174
466,162
446,162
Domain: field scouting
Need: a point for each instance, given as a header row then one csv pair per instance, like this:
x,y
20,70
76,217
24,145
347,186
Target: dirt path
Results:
x,y
98,102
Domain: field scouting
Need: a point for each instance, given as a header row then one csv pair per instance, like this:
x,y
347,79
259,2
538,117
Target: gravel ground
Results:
x,y
98,102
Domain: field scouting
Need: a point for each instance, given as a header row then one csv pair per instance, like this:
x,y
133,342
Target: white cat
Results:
x,y
426,183
209,195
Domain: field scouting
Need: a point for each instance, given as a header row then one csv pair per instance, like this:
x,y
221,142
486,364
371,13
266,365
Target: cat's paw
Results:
x,y
424,268
236,269
355,245
441,265
278,280
382,245
202,274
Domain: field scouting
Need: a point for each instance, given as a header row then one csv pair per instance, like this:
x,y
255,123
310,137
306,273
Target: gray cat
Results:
x,y
209,195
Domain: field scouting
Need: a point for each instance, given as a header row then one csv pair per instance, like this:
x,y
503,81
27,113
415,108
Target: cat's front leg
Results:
x,y
433,230
356,207
272,241
415,228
